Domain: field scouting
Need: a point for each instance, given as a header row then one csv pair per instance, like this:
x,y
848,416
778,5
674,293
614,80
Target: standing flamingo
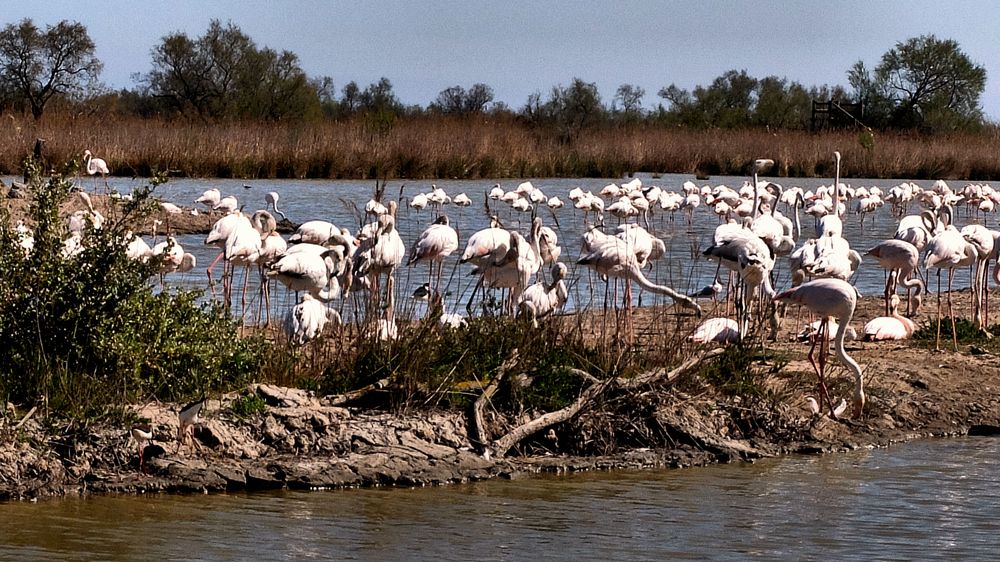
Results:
x,y
271,199
96,166
948,250
830,298
982,239
210,197
901,259
436,243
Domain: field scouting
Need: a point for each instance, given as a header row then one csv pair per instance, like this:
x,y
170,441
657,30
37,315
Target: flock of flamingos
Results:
x,y
323,262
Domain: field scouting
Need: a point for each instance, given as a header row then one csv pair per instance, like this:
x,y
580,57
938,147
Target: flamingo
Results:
x,y
307,320
243,247
227,204
982,239
217,237
462,200
210,198
831,224
949,250
96,166
436,243
174,256
541,300
271,200
487,245
381,253
137,248
272,247
831,298
743,252
716,330
311,268
314,232
892,327
901,259
614,258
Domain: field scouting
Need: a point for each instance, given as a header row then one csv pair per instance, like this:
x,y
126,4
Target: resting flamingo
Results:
x,y
831,298
716,330
892,327
541,300
306,320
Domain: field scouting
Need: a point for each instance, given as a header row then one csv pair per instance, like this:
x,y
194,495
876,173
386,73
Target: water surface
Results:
x,y
931,499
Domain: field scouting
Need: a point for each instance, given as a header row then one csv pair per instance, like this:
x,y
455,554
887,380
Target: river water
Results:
x,y
929,499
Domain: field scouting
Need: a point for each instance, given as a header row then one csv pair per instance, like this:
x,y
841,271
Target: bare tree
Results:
x,y
628,98
36,65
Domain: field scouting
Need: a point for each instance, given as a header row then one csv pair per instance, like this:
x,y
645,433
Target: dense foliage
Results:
x,y
36,66
85,333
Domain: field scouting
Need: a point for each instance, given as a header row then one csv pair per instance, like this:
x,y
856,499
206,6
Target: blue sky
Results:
x,y
519,47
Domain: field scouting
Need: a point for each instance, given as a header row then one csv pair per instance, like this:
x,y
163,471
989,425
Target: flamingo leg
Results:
x,y
937,341
951,310
211,281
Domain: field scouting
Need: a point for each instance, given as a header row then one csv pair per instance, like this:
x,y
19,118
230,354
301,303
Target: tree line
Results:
x,y
922,83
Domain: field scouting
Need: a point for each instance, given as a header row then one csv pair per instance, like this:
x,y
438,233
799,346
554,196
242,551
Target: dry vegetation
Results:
x,y
486,147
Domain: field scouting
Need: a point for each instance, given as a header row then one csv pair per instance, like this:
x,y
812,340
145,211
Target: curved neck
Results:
x,y
848,362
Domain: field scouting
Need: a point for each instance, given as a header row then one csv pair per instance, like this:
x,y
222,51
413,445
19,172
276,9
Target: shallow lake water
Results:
x,y
929,499
683,268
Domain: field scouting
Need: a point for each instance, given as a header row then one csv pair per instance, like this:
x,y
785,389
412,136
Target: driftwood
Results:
x,y
26,417
479,420
341,399
596,388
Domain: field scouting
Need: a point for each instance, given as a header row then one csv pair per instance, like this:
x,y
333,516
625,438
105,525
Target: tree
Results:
x,y
37,66
224,74
628,99
923,81
457,101
478,97
574,107
350,97
379,97
781,105
450,100
728,102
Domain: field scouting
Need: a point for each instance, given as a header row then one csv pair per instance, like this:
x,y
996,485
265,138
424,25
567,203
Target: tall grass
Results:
x,y
483,147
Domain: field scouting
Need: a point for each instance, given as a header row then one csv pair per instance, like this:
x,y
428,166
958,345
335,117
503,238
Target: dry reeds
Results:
x,y
481,147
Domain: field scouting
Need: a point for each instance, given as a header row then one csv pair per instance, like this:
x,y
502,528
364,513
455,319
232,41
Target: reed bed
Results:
x,y
484,147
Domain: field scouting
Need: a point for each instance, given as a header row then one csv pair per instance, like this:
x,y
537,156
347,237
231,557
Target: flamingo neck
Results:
x,y
836,188
849,363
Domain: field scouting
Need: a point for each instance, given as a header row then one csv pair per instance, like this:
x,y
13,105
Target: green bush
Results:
x,y
248,405
88,334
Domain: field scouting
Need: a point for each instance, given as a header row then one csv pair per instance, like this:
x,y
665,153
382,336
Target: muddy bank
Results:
x,y
295,439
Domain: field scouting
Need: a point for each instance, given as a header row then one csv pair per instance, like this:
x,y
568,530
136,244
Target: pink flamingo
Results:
x,y
830,298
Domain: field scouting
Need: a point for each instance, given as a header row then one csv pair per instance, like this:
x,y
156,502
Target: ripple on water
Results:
x,y
922,500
